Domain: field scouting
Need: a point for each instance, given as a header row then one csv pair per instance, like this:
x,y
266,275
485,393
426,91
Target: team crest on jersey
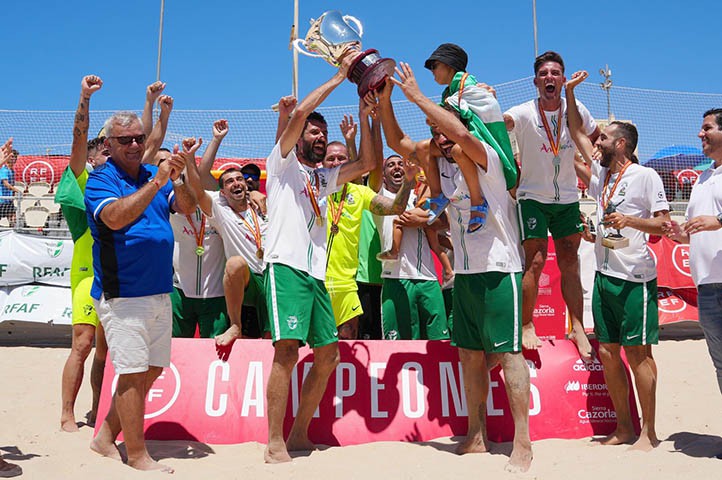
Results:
x,y
531,223
349,199
392,335
292,322
623,189
87,310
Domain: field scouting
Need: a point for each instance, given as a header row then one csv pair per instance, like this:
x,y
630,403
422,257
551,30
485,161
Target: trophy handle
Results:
x,y
300,45
359,28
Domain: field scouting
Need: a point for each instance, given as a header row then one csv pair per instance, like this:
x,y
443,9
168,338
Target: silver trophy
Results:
x,y
332,36
614,240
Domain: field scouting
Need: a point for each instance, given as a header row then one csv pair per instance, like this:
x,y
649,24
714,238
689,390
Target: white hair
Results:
x,y
123,118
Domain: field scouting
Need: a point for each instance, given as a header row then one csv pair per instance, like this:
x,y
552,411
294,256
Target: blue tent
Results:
x,y
676,162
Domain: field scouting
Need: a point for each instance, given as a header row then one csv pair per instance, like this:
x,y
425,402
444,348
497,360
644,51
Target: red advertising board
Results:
x,y
381,391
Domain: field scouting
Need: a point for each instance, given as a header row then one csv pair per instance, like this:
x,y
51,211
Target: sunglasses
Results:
x,y
127,140
251,176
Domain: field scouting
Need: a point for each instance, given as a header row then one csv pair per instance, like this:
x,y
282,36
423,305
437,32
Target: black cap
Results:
x,y
251,168
450,54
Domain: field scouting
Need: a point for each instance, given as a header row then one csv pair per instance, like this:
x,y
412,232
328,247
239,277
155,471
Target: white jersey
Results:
x,y
704,247
238,238
294,236
415,261
198,276
641,193
497,246
542,178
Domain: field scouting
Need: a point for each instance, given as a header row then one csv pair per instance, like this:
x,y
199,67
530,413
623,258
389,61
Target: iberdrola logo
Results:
x,y
55,248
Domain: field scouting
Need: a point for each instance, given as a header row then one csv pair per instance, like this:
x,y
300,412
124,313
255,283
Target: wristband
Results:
x,y
178,182
156,183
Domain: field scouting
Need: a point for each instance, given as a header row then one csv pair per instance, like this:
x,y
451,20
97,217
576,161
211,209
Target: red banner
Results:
x,y
381,391
550,312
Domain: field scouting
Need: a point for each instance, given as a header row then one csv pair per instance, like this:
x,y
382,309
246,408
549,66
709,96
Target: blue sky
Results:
x,y
229,54
234,55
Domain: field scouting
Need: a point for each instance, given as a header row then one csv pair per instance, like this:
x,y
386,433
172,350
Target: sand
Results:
x,y
689,421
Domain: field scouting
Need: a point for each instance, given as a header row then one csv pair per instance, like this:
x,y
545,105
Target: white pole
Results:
x,y
160,40
294,36
536,43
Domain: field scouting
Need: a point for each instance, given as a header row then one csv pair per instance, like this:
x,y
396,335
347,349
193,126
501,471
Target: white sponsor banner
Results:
x,y
32,259
37,303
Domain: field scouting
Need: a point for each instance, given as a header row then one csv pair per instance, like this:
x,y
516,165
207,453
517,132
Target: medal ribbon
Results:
x,y
554,145
312,194
198,233
336,213
614,187
255,229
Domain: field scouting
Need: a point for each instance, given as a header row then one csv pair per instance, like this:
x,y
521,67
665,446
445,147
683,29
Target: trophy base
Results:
x,y
369,71
613,242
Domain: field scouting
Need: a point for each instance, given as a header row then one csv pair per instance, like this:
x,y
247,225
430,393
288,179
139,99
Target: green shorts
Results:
x,y
413,310
298,306
448,295
83,307
536,219
208,313
255,296
625,312
346,305
487,312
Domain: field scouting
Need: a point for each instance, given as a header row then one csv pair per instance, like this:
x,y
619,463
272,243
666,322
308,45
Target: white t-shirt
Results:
x,y
641,192
497,246
238,238
704,247
293,236
415,261
198,276
541,179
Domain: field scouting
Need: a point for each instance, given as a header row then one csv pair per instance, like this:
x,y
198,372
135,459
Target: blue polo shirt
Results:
x,y
136,260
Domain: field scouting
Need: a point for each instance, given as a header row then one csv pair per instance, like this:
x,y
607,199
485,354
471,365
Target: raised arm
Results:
x,y
79,149
286,105
396,139
349,171
576,129
446,121
193,180
155,139
294,129
381,205
208,181
349,128
185,199
152,92
376,176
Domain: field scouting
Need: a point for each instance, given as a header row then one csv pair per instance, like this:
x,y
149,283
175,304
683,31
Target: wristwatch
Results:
x,y
178,181
719,218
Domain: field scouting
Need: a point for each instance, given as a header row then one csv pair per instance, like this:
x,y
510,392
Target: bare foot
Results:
x,y
146,464
229,336
645,444
276,453
520,459
529,340
106,450
618,437
67,424
473,444
299,443
586,352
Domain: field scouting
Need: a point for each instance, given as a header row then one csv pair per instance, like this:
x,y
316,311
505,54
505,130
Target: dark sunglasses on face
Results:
x,y
251,176
127,140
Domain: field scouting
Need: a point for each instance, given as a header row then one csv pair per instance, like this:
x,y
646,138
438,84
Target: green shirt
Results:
x,y
69,194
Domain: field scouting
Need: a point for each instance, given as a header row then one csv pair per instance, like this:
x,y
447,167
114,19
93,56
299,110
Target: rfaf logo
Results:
x,y
669,302
680,259
162,395
593,366
28,291
55,248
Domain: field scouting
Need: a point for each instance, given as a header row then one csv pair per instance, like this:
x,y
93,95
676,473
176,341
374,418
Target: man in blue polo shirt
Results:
x,y
128,205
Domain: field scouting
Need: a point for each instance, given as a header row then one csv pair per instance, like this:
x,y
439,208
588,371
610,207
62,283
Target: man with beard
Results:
x,y
487,264
702,232
631,202
242,228
412,305
295,250
547,153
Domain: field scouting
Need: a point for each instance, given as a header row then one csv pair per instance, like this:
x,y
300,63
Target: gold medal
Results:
x,y
259,254
200,251
334,229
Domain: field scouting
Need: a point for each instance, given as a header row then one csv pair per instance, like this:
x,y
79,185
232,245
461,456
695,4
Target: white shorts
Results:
x,y
138,331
